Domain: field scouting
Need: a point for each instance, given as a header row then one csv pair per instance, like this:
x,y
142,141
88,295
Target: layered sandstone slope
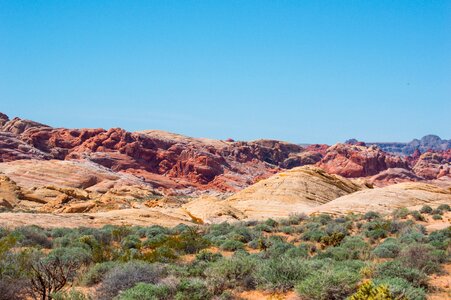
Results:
x,y
212,210
293,191
385,199
68,186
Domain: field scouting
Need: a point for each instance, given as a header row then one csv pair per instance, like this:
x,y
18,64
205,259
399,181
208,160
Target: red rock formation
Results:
x,y
433,164
359,161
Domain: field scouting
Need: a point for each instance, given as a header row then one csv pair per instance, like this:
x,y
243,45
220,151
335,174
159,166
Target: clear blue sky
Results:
x,y
302,71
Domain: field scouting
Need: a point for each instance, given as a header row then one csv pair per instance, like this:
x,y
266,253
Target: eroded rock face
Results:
x,y
432,165
359,161
69,186
393,176
10,193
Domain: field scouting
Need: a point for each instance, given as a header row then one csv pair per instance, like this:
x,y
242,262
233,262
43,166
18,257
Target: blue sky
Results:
x,y
301,71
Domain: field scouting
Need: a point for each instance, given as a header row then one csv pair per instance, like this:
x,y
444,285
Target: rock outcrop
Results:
x,y
359,161
386,199
293,191
432,165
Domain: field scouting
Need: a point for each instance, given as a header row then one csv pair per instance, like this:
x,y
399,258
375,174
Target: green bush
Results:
x,y
127,275
281,273
236,272
396,268
29,236
444,207
426,209
421,257
146,291
371,215
440,239
401,288
96,273
131,241
192,289
390,248
331,283
437,217
70,295
417,215
208,256
230,245
401,213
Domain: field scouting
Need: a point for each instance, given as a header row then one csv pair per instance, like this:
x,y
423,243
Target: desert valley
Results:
x,y
112,214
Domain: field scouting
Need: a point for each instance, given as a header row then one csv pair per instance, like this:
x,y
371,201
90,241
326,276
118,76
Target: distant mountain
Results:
x,y
427,142
424,144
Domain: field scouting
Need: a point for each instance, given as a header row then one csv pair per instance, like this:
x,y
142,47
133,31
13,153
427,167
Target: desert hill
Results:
x,y
96,176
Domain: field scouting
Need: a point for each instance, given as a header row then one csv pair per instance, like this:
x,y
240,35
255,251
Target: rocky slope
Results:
x,y
294,191
407,194
79,170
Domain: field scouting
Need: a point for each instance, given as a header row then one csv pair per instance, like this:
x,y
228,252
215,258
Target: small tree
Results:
x,y
50,276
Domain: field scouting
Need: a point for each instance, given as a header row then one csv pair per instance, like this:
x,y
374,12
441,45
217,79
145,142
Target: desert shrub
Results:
x,y
444,207
371,215
351,248
332,239
396,268
236,272
401,213
314,235
323,219
390,248
437,217
421,257
192,289
297,218
208,256
153,231
437,211
50,274
179,229
242,234
281,273
164,254
131,241
376,234
190,241
260,243
287,229
125,276
369,291
271,223
426,209
402,289
440,239
33,236
264,227
61,232
96,273
230,245
276,248
69,295
417,215
13,288
330,283
146,291
155,241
